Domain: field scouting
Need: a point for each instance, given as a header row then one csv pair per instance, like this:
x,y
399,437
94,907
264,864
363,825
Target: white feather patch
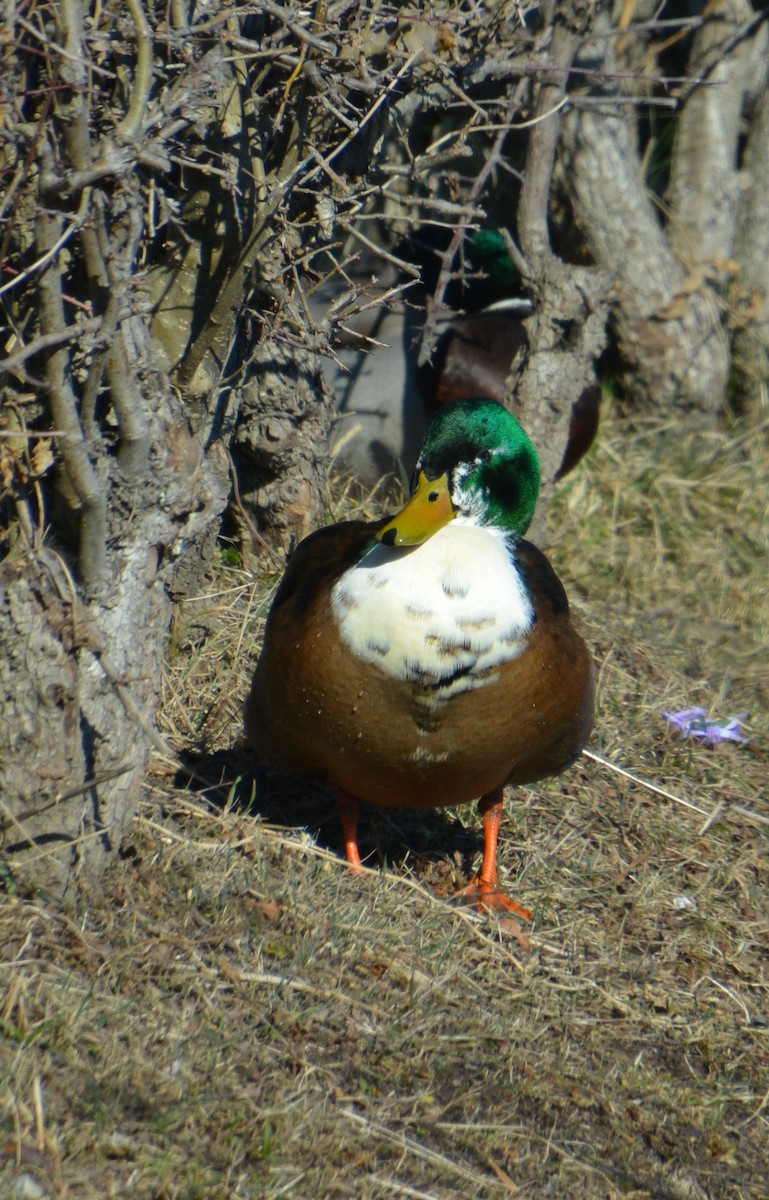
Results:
x,y
445,613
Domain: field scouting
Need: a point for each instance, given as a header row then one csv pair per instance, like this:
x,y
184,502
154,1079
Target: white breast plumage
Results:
x,y
446,613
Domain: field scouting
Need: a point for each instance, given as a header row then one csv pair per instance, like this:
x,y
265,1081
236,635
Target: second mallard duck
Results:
x,y
430,659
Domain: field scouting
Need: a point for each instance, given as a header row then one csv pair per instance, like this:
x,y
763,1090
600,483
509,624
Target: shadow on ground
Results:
x,y
392,837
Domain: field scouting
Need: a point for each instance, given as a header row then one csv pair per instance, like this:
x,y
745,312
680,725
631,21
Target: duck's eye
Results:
x,y
484,456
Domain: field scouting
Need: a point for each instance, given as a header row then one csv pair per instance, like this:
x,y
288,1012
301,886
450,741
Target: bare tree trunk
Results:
x,y
705,185
280,447
670,339
130,351
567,331
750,292
669,275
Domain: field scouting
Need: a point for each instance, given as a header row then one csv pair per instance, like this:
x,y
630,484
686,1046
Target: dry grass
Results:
x,y
236,1016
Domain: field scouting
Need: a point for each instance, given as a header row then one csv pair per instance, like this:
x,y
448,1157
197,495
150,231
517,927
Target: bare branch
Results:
x,y
704,183
40,263
58,337
286,16
131,126
533,228
447,258
401,264
64,410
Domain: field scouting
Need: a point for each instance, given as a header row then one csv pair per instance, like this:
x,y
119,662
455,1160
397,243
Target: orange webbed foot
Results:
x,y
487,895
483,889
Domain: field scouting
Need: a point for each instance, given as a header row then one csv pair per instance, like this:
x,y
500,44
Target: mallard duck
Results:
x,y
476,348
475,353
429,659
385,398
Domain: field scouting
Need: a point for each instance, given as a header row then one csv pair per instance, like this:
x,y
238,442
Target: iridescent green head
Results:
x,y
476,463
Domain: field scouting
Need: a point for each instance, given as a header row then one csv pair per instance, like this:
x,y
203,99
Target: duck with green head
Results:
x,y
477,347
429,659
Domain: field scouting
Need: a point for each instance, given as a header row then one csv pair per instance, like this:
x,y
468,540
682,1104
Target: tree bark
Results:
x,y
567,330
704,189
668,317
131,352
750,291
669,335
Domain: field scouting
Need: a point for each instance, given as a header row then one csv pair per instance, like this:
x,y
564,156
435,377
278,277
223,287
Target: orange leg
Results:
x,y
349,807
484,890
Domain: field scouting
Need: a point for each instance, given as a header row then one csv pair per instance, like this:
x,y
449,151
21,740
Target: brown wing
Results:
x,y
555,687
300,615
473,357
317,563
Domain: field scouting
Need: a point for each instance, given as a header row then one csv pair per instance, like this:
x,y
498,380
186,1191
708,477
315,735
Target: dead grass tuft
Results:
x,y
236,1016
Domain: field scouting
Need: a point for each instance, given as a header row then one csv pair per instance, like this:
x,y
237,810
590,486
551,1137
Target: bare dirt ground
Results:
x,y
234,1015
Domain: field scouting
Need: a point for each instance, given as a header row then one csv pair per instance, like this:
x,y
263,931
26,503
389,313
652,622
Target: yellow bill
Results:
x,y
428,510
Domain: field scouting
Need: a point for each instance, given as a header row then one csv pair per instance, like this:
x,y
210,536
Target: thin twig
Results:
x,y
81,216
436,306
410,1146
380,251
652,787
47,341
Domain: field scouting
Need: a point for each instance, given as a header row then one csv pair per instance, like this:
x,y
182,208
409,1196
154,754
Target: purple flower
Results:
x,y
693,722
